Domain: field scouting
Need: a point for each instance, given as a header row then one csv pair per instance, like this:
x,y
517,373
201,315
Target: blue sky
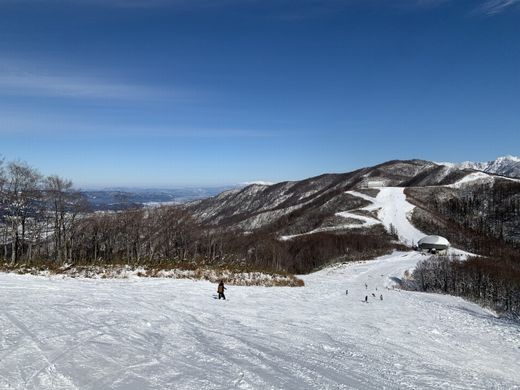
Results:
x,y
177,92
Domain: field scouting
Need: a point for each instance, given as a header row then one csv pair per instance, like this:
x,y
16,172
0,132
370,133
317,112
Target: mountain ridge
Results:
x,y
505,166
322,203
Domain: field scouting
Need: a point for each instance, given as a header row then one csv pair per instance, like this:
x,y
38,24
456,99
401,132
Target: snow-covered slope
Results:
x,y
165,334
396,211
474,178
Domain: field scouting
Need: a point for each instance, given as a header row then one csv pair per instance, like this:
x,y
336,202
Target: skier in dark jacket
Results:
x,y
220,290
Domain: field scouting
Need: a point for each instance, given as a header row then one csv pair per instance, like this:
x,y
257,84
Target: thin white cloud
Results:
x,y
16,124
490,7
24,83
316,4
493,7
128,3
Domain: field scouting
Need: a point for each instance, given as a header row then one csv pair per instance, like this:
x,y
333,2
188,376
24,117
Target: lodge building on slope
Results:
x,y
433,244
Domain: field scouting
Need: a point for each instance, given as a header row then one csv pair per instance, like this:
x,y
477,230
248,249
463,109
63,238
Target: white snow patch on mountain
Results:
x,y
472,178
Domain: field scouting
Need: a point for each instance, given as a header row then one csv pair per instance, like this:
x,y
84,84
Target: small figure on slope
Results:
x,y
346,292
366,298
220,290
381,297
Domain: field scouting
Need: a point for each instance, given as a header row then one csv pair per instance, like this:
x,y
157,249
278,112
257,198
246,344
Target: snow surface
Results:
x,y
171,334
478,178
165,334
396,211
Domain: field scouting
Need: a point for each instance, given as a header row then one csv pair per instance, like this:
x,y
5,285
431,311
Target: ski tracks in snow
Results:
x,y
160,334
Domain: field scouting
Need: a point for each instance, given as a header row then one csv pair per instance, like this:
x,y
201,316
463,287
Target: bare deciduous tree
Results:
x,y
21,196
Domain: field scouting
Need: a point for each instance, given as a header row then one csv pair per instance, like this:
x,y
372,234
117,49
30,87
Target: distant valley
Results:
x,y
114,199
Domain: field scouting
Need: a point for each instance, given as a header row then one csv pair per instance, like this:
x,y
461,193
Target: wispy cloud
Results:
x,y
316,4
301,11
128,3
319,8
16,124
30,84
493,7
16,79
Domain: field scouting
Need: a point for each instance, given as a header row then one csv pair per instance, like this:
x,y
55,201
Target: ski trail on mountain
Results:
x,y
393,210
396,211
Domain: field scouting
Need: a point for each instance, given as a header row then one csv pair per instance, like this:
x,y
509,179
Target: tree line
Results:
x,y
493,281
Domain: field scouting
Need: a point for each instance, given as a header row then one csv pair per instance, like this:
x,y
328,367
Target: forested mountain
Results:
x,y
478,217
447,197
315,199
291,226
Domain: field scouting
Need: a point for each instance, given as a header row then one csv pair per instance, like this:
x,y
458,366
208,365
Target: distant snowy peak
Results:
x,y
257,182
505,166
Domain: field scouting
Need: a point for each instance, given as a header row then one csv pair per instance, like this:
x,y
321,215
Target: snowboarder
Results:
x,y
220,290
381,297
346,292
366,298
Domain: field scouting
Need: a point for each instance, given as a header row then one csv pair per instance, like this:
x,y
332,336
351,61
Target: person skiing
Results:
x,y
220,290
381,297
366,298
346,292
